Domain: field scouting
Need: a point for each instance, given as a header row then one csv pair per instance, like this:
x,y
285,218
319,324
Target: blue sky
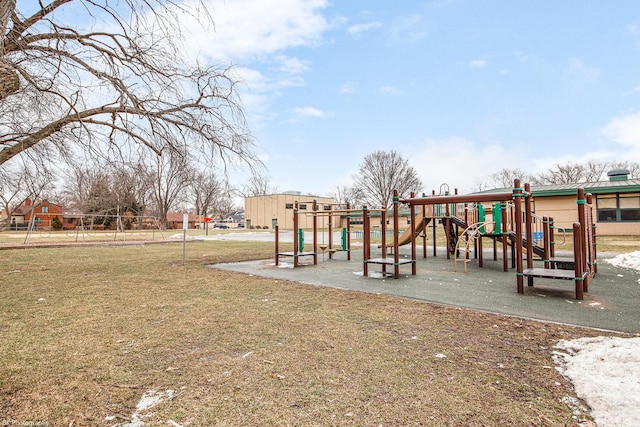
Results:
x,y
462,88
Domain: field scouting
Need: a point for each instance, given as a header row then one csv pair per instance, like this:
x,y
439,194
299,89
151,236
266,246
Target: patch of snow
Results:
x,y
148,400
285,265
629,260
605,372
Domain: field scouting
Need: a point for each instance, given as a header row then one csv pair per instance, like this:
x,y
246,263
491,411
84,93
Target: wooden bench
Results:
x,y
562,263
294,254
387,261
554,273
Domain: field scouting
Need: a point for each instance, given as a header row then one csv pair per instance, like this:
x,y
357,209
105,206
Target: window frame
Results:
x,y
616,213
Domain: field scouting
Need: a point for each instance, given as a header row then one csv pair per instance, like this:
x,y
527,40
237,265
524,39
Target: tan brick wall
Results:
x,y
262,210
564,211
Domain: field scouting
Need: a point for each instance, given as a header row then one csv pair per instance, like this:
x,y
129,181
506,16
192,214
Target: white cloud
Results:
x,y
389,91
625,130
252,35
309,112
360,28
578,72
248,28
347,88
477,64
409,29
461,163
290,65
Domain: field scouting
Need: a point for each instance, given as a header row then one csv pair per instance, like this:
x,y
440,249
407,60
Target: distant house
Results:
x,y
71,220
233,219
175,221
42,214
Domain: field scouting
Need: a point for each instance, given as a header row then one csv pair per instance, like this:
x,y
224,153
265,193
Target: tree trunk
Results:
x,y
9,79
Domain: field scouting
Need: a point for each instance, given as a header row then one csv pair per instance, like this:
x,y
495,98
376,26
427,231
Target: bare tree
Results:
x,y
344,194
169,177
504,177
112,80
592,171
595,171
21,183
224,205
259,185
79,185
562,173
383,171
9,79
206,193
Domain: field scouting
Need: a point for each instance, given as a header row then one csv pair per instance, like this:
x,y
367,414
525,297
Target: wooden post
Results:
x,y
505,238
480,263
592,246
330,231
578,256
545,242
295,235
348,232
424,230
396,255
383,229
517,195
276,233
412,213
366,246
447,227
582,219
315,232
529,228
434,225
552,238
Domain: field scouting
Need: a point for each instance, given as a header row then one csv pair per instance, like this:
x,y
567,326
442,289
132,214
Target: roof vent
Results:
x,y
618,175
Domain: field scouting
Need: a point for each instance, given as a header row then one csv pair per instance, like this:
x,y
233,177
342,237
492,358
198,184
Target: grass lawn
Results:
x,y
85,333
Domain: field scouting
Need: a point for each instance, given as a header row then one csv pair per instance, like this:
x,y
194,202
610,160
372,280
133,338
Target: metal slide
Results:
x,y
405,239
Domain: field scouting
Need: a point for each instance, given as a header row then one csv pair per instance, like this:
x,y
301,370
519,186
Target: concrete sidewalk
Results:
x,y
610,304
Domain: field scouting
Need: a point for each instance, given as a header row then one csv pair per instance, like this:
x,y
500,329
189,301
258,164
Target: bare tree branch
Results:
x,y
383,171
121,85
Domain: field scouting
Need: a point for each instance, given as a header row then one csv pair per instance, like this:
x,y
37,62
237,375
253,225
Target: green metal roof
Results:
x,y
598,187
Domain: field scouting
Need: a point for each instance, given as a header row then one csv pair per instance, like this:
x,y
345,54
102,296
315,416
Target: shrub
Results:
x,y
56,224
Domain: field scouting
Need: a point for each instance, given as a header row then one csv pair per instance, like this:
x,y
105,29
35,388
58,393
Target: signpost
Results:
x,y
185,225
207,220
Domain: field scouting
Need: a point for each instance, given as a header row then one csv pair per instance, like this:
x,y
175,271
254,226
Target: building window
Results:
x,y
629,207
618,208
302,207
288,205
45,209
327,207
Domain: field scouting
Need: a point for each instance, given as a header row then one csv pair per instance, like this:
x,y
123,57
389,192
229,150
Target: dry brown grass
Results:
x,y
85,332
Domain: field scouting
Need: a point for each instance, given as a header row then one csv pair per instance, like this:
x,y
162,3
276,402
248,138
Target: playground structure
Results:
x,y
512,224
384,261
298,234
347,213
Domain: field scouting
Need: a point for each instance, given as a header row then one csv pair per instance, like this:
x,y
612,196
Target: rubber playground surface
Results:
x,y
611,303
